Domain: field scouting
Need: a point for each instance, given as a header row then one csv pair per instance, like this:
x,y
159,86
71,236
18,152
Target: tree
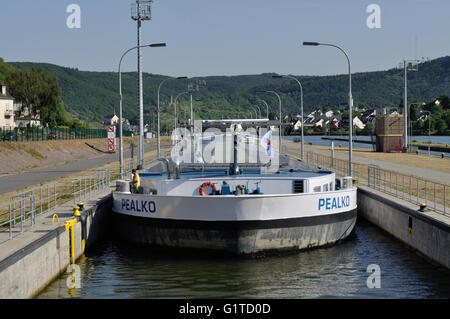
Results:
x,y
441,127
414,111
24,90
5,69
272,116
445,102
40,95
369,129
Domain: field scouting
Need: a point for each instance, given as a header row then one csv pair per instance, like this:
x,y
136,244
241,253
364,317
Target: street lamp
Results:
x,y
409,119
408,66
154,45
279,102
256,111
350,101
267,107
301,105
259,110
429,130
159,88
176,99
141,11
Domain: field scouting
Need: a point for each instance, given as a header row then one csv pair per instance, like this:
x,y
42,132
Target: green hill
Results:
x,y
93,95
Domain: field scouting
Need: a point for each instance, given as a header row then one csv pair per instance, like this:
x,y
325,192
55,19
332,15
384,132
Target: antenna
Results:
x,y
415,47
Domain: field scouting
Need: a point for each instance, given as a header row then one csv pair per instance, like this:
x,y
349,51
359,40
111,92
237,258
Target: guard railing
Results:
x,y
339,166
417,190
413,189
20,213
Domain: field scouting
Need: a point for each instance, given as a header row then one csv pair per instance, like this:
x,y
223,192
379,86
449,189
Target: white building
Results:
x,y
25,119
6,109
329,114
319,123
111,120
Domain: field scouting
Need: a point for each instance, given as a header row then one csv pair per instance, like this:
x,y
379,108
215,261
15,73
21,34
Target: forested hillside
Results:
x,y
93,95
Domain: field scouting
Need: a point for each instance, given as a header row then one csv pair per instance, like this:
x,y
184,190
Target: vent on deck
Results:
x,y
298,186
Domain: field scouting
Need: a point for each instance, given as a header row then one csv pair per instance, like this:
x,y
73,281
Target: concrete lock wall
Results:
x,y
427,235
25,273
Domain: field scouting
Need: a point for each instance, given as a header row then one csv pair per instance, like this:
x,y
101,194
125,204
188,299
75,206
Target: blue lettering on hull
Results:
x,y
334,202
139,206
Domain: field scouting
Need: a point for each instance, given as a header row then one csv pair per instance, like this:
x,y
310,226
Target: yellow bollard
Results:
x,y
76,211
53,218
70,225
81,205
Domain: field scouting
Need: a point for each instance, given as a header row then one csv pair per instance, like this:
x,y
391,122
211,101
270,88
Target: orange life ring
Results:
x,y
202,191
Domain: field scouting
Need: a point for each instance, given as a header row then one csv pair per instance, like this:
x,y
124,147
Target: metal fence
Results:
x,y
339,166
25,134
413,189
20,213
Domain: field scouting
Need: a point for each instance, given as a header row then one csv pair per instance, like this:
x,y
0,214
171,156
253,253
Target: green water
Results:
x,y
117,270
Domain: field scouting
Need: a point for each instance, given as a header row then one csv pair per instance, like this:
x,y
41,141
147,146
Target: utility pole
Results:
x,y
408,65
141,11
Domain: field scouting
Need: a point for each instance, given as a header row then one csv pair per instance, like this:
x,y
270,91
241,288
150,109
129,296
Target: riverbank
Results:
x,y
67,172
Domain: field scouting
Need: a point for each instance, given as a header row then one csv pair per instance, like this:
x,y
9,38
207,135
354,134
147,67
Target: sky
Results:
x,y
211,37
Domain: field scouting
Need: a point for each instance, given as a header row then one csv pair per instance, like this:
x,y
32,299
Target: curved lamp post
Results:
x,y
176,99
254,109
429,130
267,107
350,101
301,106
279,103
159,88
154,45
259,110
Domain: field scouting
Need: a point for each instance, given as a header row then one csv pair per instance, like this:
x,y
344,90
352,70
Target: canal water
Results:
x,y
114,269
317,140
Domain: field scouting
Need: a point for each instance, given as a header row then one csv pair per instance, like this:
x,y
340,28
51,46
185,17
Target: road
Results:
x,y
20,181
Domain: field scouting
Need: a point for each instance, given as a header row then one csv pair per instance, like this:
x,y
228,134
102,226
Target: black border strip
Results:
x,y
121,219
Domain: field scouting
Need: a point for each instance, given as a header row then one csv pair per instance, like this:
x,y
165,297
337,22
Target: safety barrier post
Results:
x,y
70,226
10,224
